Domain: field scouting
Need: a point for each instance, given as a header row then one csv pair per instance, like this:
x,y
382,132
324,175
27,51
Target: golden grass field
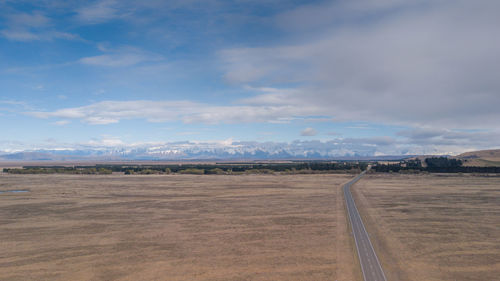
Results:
x,y
433,227
246,227
175,227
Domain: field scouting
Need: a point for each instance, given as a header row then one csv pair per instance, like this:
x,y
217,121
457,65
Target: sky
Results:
x,y
395,76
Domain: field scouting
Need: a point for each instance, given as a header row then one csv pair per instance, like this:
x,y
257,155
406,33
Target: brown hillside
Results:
x,y
481,158
492,153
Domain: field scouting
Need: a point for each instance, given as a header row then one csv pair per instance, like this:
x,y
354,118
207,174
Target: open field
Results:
x,y
433,227
174,227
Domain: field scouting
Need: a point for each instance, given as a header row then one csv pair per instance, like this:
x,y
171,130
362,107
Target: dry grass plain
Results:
x,y
433,227
176,227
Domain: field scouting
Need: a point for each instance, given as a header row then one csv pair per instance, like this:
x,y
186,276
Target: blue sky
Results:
x,y
412,76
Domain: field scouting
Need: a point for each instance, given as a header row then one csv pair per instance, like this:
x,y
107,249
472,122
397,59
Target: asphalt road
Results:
x,y
370,265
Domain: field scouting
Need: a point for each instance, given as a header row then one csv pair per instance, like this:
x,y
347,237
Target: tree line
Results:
x,y
433,165
199,169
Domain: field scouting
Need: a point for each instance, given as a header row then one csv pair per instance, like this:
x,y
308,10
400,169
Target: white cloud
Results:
x,y
98,12
124,56
454,138
14,106
19,35
35,19
25,35
13,102
410,62
108,112
99,92
271,96
33,27
62,122
105,141
308,132
329,13
113,60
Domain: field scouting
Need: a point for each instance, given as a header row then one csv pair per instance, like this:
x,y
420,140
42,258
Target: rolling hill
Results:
x,y
481,158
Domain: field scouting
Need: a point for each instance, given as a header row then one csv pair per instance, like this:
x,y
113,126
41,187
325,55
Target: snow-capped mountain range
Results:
x,y
188,150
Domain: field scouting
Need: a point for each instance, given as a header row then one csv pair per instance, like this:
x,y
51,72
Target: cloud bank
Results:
x,y
410,62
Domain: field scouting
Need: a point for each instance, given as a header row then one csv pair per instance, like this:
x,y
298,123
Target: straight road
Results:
x,y
370,265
